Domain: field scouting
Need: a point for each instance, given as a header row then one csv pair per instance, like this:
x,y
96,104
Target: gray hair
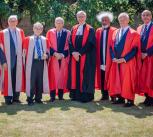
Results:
x,y
146,11
124,14
38,24
59,19
13,17
103,14
81,12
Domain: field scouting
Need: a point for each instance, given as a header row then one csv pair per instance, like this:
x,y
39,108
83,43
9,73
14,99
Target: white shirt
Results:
x,y
122,31
104,49
80,30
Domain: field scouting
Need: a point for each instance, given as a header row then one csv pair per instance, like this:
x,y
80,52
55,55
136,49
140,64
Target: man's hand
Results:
x,y
24,53
4,66
44,56
143,56
58,56
119,61
62,55
114,60
76,55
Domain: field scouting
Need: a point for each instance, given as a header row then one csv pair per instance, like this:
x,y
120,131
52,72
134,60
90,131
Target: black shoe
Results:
x,y
39,101
129,104
16,101
146,101
61,98
8,102
105,98
119,101
113,99
60,94
52,99
30,103
105,95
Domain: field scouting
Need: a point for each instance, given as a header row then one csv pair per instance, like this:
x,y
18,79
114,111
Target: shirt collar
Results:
x,y
125,28
81,25
35,37
12,30
59,31
148,24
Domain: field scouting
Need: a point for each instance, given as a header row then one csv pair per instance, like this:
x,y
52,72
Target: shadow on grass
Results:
x,y
64,105
139,111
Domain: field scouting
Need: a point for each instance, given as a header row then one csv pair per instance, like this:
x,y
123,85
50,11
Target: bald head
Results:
x,y
146,16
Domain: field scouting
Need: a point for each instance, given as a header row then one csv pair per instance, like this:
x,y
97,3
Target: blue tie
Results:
x,y
38,48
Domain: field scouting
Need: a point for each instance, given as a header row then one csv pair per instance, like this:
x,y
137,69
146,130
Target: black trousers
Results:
x,y
36,80
103,92
15,93
60,94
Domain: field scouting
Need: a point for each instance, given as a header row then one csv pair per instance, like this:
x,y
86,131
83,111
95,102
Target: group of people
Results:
x,y
117,61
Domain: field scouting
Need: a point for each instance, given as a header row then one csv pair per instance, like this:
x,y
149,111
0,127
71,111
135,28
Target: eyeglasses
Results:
x,y
12,20
81,16
146,15
38,28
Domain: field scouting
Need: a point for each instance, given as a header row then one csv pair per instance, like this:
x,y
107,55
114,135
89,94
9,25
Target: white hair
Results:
x,y
103,14
81,12
59,19
37,25
124,14
13,17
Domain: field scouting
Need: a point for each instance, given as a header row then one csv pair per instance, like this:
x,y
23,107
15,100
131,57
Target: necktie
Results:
x,y
38,48
144,31
14,38
58,40
120,35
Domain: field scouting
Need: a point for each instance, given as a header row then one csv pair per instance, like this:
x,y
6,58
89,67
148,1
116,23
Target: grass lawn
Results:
x,y
73,119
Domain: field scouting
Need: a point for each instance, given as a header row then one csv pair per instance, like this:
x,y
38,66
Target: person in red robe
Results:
x,y
36,52
122,74
11,40
103,39
146,67
81,76
59,57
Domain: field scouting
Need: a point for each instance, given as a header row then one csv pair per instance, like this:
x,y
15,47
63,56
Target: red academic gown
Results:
x,y
58,74
122,78
86,61
146,67
20,77
98,61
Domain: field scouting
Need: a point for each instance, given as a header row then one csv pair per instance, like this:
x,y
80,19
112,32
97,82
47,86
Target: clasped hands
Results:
x,y
119,61
58,56
143,55
76,55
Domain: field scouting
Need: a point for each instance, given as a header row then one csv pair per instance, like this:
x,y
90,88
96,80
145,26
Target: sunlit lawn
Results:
x,y
74,119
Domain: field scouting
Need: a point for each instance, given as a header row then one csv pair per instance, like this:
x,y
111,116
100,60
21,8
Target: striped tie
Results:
x,y
38,48
144,31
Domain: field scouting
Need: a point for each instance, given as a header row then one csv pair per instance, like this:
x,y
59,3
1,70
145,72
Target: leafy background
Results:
x,y
45,11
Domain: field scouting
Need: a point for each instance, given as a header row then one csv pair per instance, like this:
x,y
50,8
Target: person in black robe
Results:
x,y
81,76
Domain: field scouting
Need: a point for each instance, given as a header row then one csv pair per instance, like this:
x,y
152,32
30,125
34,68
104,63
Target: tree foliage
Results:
x,y
45,11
